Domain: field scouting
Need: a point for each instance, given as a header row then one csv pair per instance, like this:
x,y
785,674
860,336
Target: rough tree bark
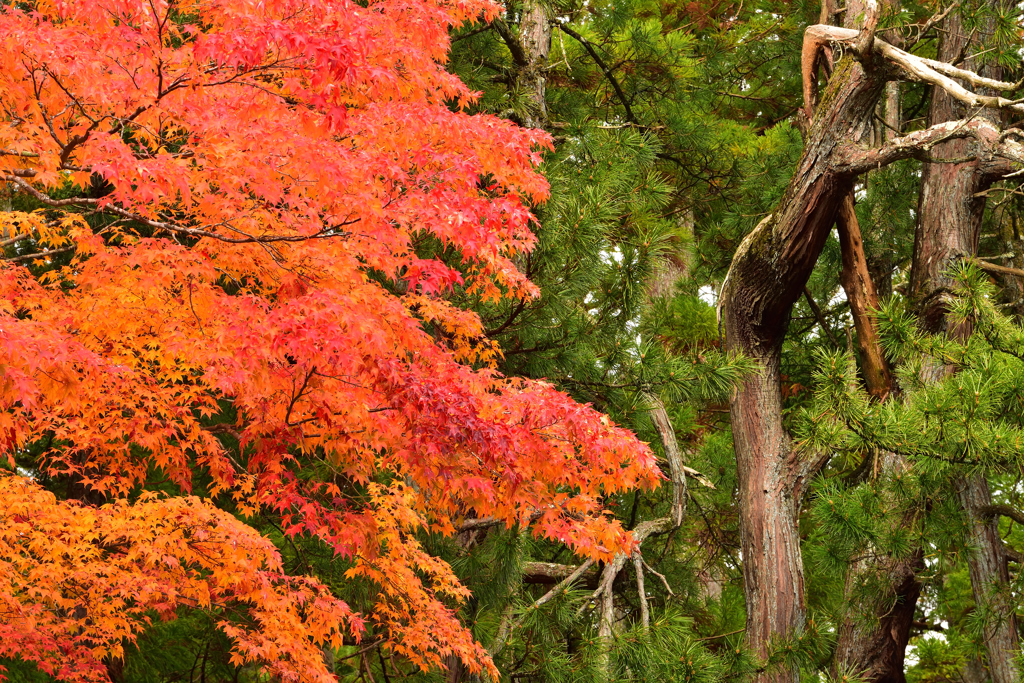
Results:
x,y
530,47
769,272
874,647
767,275
535,35
950,210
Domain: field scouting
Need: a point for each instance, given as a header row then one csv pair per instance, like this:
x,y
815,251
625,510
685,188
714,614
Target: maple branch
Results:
x,y
12,240
46,199
12,153
171,227
487,522
42,254
191,306
297,396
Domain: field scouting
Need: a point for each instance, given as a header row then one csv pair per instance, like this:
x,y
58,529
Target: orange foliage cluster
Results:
x,y
238,181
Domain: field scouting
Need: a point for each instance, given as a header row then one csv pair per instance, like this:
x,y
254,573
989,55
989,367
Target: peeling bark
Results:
x,y
769,271
767,275
677,471
860,292
949,221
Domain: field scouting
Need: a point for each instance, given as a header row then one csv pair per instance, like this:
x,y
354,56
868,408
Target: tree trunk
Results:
x,y
990,578
529,48
769,272
949,213
875,649
767,275
535,36
949,224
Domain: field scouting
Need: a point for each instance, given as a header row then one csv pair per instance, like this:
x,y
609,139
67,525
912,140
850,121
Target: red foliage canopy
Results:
x,y
242,186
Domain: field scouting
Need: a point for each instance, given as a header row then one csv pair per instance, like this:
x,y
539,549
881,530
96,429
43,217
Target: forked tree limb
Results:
x,y
996,152
910,66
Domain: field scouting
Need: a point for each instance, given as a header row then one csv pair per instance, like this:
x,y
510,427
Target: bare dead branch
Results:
x,y
662,423
645,611
661,576
547,572
855,159
914,68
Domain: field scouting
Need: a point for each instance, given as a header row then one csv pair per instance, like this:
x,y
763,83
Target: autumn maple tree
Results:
x,y
218,208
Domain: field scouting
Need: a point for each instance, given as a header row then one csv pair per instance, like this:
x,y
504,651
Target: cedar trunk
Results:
x,y
535,35
873,647
767,275
949,224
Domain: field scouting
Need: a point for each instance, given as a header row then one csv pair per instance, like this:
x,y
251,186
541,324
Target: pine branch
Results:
x,y
604,69
816,310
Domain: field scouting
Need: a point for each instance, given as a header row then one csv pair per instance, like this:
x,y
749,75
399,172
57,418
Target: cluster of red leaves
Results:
x,y
266,166
78,581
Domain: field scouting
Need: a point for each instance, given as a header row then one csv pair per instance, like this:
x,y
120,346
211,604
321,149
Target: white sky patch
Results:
x,y
615,254
708,295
